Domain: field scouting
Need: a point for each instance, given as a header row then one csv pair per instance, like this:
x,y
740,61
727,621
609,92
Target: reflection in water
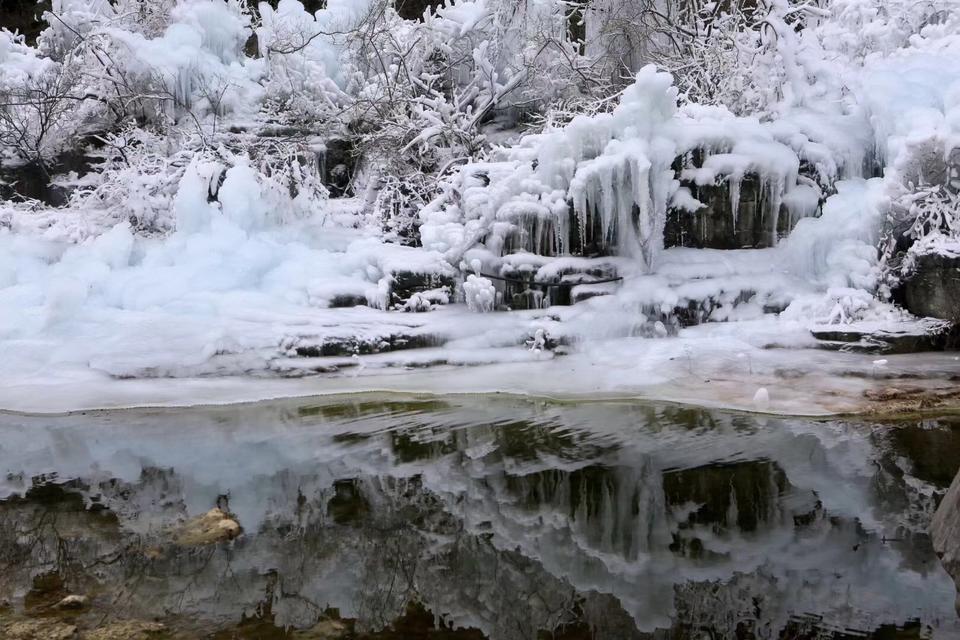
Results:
x,y
474,518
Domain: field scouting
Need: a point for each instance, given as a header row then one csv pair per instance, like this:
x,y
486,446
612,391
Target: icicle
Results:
x,y
561,230
605,201
735,184
646,219
776,199
321,162
733,513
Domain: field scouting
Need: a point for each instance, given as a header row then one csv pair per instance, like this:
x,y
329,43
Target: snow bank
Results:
x,y
233,280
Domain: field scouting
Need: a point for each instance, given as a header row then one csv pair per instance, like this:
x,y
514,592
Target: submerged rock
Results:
x,y
127,630
324,630
38,630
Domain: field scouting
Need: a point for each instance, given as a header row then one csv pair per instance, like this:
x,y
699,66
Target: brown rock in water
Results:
x,y
38,630
127,630
214,526
324,630
945,533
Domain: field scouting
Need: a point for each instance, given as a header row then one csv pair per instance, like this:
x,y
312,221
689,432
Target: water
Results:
x,y
475,517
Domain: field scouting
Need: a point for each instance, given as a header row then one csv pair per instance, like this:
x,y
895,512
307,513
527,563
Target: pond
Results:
x,y
471,517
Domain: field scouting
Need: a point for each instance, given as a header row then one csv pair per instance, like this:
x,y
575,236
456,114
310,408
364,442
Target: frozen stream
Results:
x,y
500,518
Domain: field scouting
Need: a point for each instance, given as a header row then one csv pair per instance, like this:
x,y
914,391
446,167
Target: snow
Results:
x,y
200,50
18,62
465,14
839,248
191,256
612,162
761,399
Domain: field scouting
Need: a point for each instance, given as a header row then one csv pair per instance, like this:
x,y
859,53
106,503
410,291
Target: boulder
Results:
x,y
933,289
909,337
945,532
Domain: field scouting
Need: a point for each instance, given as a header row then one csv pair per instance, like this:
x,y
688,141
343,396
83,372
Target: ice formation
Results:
x,y
615,171
480,293
192,256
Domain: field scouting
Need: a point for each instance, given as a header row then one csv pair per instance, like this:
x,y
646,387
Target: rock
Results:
x,y
713,226
39,630
337,162
127,630
525,289
406,283
582,292
914,337
345,300
212,527
342,346
934,288
32,181
945,533
72,601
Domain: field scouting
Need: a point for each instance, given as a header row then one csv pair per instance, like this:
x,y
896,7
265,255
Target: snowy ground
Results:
x,y
222,313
